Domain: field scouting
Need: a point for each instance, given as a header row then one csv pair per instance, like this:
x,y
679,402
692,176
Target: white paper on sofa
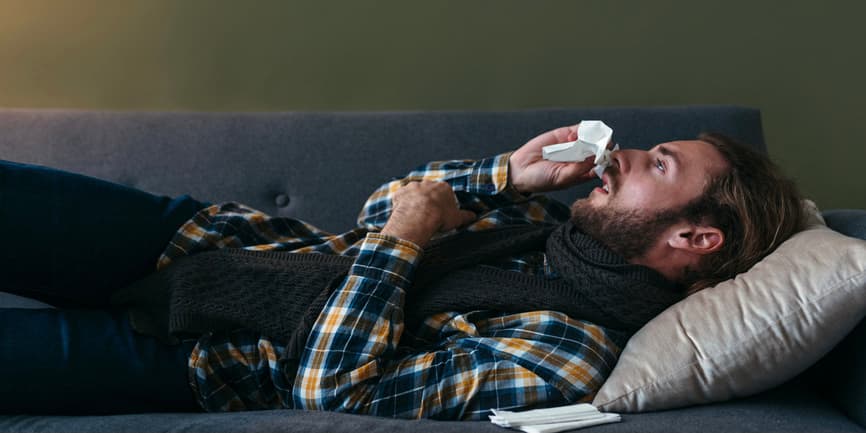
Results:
x,y
554,419
593,137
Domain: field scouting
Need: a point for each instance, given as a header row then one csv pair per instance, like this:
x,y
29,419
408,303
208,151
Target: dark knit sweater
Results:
x,y
280,294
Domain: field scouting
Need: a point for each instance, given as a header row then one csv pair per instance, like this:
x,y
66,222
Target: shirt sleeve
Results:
x,y
360,325
352,362
480,186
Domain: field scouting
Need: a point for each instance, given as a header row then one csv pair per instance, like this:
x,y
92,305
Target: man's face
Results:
x,y
666,177
643,192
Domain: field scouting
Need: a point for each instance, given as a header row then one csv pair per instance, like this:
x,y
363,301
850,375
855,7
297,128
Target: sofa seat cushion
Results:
x,y
791,408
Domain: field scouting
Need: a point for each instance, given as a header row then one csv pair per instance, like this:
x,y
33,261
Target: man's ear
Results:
x,y
696,239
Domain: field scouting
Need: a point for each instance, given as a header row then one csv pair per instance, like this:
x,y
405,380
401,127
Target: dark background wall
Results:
x,y
801,63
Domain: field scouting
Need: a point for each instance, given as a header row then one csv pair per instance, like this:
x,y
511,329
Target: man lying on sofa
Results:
x,y
459,291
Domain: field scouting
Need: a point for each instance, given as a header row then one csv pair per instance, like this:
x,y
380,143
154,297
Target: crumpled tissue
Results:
x,y
593,138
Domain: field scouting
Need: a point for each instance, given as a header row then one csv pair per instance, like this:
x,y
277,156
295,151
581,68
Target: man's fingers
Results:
x,y
457,219
568,173
467,217
563,134
433,201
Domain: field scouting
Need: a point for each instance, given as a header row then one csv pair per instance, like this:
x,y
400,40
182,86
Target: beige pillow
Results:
x,y
748,334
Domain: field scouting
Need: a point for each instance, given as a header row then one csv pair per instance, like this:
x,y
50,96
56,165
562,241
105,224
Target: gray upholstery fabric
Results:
x,y
787,409
850,222
320,167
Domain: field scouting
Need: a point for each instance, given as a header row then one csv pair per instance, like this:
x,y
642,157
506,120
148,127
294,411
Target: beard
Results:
x,y
627,232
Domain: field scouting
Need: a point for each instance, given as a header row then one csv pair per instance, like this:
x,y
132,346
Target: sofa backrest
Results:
x,y
319,167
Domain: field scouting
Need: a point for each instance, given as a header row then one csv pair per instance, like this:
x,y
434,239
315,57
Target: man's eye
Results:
x,y
660,165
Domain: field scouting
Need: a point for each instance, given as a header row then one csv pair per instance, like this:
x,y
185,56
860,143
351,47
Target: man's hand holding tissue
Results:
x,y
528,172
422,209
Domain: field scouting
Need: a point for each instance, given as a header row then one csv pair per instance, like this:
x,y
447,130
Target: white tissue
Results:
x,y
593,136
554,419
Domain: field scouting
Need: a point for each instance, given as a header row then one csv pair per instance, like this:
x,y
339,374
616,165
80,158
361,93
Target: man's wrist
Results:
x,y
512,183
513,187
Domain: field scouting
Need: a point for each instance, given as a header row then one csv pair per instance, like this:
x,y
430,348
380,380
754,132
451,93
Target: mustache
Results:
x,y
613,176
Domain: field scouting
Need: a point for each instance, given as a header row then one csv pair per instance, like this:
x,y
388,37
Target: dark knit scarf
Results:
x,y
280,294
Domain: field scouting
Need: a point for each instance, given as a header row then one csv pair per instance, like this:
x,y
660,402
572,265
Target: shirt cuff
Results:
x,y
387,258
490,177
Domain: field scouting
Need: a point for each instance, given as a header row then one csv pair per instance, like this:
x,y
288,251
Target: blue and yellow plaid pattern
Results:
x,y
354,362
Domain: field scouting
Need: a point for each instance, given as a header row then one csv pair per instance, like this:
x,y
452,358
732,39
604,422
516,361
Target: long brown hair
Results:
x,y
756,207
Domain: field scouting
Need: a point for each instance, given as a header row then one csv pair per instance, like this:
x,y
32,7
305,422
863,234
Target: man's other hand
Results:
x,y
528,172
422,209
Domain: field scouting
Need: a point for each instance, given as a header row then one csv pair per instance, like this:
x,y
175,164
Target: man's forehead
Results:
x,y
692,149
683,145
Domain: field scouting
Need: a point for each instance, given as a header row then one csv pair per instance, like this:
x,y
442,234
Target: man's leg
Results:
x,y
71,240
87,362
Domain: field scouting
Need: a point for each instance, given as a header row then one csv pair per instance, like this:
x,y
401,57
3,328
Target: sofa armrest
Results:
x,y
849,222
841,374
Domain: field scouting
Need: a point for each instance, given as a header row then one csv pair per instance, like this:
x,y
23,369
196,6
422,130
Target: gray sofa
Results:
x,y
320,167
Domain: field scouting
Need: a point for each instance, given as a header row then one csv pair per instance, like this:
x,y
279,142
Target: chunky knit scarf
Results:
x,y
280,294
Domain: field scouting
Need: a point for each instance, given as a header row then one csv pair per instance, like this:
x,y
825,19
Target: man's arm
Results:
x,y
490,183
352,363
529,172
479,186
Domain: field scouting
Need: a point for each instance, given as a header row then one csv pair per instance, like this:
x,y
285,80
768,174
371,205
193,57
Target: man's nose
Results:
x,y
620,159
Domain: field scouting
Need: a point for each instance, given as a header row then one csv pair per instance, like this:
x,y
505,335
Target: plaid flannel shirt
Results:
x,y
353,361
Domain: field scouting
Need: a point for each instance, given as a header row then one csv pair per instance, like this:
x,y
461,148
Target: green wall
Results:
x,y
801,63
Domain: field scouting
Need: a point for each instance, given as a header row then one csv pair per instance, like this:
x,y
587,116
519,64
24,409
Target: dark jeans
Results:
x,y
72,240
